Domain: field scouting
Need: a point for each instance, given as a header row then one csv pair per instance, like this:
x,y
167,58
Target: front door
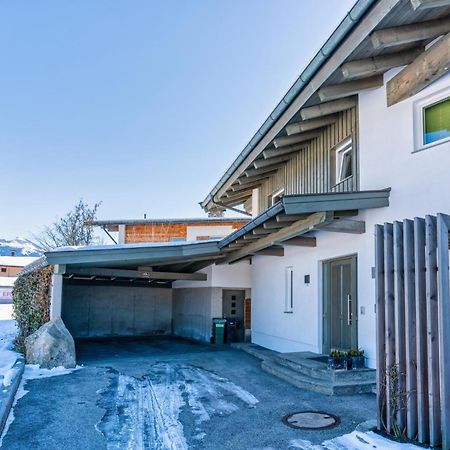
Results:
x,y
340,328
233,309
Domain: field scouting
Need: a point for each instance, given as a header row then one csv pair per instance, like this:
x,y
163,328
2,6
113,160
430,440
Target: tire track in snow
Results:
x,y
143,413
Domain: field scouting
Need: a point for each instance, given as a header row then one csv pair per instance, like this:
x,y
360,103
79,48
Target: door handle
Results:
x,y
349,310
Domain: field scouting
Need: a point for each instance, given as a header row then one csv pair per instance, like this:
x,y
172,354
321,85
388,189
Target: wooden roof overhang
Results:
x,y
376,36
291,221
150,265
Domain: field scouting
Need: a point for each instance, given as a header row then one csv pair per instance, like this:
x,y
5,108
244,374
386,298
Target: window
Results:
x,y
436,122
432,120
289,290
3,269
275,197
344,160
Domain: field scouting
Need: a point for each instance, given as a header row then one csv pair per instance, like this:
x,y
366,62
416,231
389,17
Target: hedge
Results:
x,y
31,302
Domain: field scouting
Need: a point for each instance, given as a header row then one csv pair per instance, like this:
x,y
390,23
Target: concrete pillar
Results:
x,y
56,291
121,234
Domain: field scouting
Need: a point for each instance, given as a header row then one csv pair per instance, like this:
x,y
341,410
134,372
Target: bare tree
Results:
x,y
73,229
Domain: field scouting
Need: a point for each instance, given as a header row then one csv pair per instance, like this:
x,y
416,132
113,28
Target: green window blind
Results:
x,y
437,122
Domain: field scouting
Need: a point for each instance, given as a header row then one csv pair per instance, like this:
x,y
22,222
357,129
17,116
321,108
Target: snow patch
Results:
x,y
143,413
354,441
8,332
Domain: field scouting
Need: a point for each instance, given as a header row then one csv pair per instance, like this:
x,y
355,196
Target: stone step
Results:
x,y
255,350
323,386
320,371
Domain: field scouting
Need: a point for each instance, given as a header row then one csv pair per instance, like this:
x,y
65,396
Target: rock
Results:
x,y
51,346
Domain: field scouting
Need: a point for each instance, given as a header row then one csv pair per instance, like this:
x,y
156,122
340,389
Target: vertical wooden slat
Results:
x,y
400,338
421,330
432,329
443,224
389,318
380,317
410,329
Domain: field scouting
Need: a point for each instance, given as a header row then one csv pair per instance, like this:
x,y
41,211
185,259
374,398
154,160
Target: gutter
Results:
x,y
339,34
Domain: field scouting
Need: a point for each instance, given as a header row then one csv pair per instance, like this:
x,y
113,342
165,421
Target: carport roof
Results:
x,y
164,255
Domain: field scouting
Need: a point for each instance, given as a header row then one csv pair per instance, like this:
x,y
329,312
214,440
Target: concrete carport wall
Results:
x,y
125,290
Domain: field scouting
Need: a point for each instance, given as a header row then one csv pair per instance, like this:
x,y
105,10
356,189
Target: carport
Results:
x,y
127,290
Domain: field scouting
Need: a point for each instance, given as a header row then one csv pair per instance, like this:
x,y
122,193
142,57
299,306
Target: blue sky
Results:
x,y
140,104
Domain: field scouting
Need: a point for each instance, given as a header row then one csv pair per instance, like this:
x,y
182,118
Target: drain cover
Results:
x,y
311,420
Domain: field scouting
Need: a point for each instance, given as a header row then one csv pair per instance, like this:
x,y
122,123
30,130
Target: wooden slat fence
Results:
x,y
413,329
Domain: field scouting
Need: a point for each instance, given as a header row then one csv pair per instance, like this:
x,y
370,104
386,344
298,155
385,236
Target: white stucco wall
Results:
x,y
420,185
193,232
236,276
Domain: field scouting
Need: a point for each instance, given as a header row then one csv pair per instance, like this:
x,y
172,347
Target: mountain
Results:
x,y
19,247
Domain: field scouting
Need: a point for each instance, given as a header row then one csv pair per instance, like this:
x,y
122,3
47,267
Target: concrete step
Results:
x,y
255,350
323,386
319,370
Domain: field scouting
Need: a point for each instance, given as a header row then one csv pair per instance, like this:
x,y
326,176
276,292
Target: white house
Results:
x,y
361,138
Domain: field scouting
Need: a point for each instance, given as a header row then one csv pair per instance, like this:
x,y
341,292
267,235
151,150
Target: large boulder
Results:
x,y
51,346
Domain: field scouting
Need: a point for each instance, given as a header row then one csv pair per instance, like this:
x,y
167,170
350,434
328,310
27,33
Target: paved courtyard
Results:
x,y
168,393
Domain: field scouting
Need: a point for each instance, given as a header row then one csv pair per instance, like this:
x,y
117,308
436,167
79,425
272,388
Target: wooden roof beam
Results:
x,y
404,34
293,230
258,172
260,231
426,4
430,65
274,250
248,180
290,140
346,226
242,187
273,153
262,163
290,217
301,241
378,64
348,88
324,109
273,224
307,125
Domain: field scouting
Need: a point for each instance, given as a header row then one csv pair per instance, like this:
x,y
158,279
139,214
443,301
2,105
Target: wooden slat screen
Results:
x,y
413,329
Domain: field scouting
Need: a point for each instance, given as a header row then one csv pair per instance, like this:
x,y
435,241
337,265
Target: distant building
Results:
x,y
11,266
6,288
170,230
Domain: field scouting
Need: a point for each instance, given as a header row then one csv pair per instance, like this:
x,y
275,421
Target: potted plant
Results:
x,y
356,359
337,360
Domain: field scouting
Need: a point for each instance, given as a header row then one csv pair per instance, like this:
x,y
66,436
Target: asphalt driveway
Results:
x,y
169,393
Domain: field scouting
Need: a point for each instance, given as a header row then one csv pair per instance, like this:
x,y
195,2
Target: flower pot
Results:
x,y
358,362
337,363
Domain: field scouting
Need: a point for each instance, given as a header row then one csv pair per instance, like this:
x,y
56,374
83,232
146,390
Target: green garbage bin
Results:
x,y
219,330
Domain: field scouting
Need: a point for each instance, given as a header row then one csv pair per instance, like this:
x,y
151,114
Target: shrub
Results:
x,y
31,302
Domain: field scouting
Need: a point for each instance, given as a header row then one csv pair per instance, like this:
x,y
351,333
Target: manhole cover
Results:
x,y
311,420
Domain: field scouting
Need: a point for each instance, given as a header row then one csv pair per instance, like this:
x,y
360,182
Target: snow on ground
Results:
x,y
143,413
8,356
354,441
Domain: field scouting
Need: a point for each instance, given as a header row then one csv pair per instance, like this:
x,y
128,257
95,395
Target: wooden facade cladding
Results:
x,y
166,232
309,172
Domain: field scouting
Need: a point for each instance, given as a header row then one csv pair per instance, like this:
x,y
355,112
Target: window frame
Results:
x,y
289,290
419,108
344,148
274,195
